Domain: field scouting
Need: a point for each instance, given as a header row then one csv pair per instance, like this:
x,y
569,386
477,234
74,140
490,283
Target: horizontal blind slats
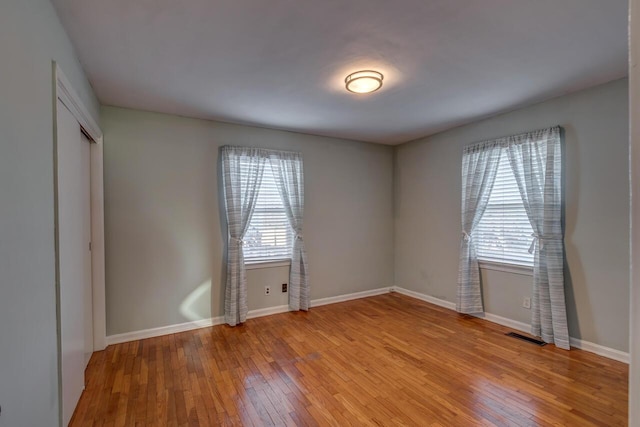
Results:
x,y
269,236
504,232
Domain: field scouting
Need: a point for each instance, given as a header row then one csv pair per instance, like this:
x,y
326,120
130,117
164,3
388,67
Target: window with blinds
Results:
x,y
269,236
504,232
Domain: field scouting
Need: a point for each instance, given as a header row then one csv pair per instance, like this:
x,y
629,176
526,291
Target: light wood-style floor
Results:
x,y
385,360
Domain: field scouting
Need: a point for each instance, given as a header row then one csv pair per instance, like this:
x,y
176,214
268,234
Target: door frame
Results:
x,y
69,97
634,127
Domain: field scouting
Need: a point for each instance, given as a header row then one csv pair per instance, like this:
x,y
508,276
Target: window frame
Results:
x,y
267,264
276,260
497,264
506,267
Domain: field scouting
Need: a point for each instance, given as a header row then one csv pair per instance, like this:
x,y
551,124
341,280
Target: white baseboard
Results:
x,y
261,312
425,297
196,324
598,349
349,297
504,321
164,330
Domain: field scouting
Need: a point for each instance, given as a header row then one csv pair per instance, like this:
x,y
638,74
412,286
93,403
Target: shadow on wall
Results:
x,y
223,233
146,246
575,274
191,306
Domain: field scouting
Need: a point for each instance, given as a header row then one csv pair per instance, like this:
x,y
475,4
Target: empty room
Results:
x,y
302,213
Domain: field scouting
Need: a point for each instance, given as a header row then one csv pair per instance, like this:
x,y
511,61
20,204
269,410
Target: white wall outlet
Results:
x,y
526,302
267,290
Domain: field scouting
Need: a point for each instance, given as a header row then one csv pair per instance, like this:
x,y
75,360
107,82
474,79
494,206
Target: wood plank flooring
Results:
x,y
384,360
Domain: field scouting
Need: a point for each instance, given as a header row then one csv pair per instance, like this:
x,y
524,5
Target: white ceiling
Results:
x,y
281,63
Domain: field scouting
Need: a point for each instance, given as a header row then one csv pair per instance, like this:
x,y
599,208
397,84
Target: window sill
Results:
x,y
267,264
507,268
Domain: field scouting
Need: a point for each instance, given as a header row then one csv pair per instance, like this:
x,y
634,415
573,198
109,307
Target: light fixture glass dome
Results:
x,y
365,81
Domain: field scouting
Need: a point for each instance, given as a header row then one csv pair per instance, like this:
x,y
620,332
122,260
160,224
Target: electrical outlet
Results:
x,y
284,287
526,302
267,290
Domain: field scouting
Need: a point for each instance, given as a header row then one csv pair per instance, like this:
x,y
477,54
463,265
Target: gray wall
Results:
x,y
164,229
427,212
30,38
165,238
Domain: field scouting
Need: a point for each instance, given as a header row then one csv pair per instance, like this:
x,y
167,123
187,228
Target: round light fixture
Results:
x,y
365,81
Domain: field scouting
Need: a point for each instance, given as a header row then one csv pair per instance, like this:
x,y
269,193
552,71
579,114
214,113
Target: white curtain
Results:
x,y
242,170
537,165
289,175
479,168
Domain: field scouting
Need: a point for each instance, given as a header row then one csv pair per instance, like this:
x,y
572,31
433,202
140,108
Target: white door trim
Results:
x,y
634,121
65,92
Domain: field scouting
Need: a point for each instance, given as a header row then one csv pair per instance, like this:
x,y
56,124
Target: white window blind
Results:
x,y
269,236
504,232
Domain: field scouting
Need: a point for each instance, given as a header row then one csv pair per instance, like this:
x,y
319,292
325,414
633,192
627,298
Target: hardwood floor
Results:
x,y
385,360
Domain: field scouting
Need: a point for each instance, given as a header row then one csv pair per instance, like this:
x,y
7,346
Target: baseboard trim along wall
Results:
x,y
204,323
164,330
598,349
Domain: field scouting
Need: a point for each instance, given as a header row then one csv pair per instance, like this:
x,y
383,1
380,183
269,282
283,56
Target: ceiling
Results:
x,y
282,63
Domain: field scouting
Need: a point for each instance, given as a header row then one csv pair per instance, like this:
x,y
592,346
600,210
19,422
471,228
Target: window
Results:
x,y
504,232
269,236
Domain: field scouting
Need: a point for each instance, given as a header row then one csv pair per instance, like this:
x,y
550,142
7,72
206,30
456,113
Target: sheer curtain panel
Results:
x,y
242,170
289,176
479,168
536,160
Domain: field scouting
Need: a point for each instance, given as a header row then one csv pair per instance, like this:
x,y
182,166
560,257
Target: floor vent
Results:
x,y
523,338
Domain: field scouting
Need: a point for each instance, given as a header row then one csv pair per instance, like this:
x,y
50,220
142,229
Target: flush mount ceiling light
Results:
x,y
365,81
